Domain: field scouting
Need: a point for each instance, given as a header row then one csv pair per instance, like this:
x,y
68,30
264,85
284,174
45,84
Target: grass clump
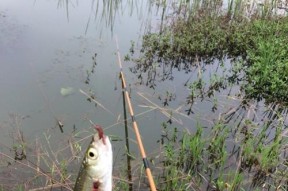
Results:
x,y
268,71
258,39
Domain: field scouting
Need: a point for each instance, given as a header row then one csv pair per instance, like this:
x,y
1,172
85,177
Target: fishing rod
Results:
x,y
134,123
129,171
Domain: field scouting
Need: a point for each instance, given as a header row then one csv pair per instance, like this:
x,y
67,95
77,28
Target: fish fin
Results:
x,y
96,185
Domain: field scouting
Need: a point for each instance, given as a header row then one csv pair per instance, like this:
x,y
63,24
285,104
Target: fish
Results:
x,y
95,172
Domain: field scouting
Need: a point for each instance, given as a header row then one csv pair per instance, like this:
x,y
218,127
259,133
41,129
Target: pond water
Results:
x,y
47,45
43,51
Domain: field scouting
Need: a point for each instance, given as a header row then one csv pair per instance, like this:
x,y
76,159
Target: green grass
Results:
x,y
198,162
258,43
255,43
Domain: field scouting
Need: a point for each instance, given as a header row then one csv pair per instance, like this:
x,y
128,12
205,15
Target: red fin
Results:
x,y
96,186
100,133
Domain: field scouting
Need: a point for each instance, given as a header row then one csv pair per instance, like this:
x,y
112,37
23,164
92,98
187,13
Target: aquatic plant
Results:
x,y
259,43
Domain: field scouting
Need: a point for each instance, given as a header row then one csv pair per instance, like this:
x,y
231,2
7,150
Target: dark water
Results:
x,y
49,45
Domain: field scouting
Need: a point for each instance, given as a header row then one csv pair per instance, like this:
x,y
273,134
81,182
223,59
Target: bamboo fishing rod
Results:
x,y
134,124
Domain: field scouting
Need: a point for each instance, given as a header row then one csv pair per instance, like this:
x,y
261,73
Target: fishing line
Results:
x,y
134,123
46,100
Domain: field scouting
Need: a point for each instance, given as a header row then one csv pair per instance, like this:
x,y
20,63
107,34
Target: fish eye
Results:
x,y
92,153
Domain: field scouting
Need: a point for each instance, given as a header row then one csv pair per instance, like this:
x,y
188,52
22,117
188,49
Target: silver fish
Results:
x,y
96,170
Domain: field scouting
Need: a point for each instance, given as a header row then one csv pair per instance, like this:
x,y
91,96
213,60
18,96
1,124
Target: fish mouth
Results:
x,y
101,135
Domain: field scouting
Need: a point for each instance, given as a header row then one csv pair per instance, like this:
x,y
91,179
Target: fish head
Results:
x,y
99,155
